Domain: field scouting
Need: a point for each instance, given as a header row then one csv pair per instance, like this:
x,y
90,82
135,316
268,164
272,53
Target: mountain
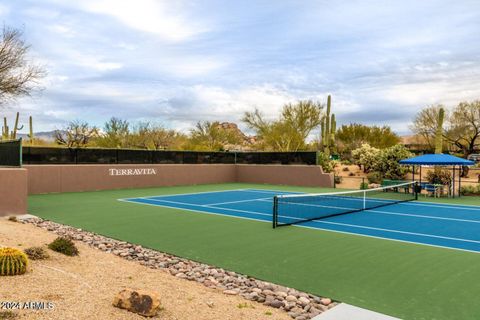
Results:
x,y
247,141
42,135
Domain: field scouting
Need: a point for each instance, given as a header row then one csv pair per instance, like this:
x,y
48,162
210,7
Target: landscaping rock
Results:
x,y
303,301
231,292
145,303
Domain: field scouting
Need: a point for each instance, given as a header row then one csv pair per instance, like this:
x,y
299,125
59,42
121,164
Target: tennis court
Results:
x,y
412,260
450,226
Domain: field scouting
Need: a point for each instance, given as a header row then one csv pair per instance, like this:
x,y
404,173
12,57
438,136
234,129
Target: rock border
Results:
x,y
299,305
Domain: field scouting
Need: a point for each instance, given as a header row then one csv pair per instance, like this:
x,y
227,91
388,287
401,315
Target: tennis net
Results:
x,y
11,153
298,208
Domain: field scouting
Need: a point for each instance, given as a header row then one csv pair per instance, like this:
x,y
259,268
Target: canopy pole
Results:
x,y
453,187
420,174
413,173
460,182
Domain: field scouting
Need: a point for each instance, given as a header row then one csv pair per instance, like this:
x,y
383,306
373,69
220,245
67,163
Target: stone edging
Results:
x,y
299,305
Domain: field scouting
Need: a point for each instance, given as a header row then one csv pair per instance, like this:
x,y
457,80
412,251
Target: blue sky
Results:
x,y
177,62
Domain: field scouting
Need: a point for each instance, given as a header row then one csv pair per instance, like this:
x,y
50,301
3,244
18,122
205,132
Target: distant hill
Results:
x,y
247,142
43,135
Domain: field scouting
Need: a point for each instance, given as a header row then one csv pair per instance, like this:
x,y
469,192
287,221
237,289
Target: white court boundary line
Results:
x,y
195,193
268,191
448,206
320,221
300,226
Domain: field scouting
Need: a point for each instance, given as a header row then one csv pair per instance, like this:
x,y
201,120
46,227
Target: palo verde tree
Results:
x,y
425,124
352,136
290,131
115,135
211,136
18,75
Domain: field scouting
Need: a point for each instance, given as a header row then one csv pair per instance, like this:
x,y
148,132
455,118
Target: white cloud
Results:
x,y
182,61
4,10
187,66
62,30
163,18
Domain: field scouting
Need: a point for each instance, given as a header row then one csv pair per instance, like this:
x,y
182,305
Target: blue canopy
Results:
x,y
437,160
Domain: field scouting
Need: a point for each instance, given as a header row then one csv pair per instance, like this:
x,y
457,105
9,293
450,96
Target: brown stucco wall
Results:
x,y
73,178
13,191
301,175
16,183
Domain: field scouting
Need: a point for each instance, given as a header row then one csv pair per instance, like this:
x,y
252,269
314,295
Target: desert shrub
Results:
x,y
375,177
439,176
470,190
12,262
64,245
366,157
324,161
338,179
346,162
351,174
345,169
388,162
363,185
36,253
12,218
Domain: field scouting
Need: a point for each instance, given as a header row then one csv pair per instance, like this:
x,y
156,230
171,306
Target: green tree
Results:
x,y
140,137
464,129
290,131
425,124
352,136
211,136
439,132
164,139
116,132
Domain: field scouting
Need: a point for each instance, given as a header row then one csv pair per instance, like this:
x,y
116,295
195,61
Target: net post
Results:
x,y
275,212
364,200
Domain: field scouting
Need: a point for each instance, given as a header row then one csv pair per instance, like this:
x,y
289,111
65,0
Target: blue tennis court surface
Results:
x,y
450,226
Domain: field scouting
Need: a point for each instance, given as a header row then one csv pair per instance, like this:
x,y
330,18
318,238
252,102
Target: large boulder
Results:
x,y
145,303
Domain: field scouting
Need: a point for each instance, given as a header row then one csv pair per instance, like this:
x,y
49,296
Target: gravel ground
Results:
x,y
83,287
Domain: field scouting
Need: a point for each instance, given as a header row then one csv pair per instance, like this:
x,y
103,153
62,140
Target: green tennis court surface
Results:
x,y
404,280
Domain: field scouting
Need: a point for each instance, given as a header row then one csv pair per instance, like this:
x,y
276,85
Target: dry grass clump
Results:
x,y
36,253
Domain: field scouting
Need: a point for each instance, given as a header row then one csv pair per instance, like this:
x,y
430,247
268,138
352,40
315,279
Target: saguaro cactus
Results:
x,y
328,127
16,127
439,132
30,135
5,129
